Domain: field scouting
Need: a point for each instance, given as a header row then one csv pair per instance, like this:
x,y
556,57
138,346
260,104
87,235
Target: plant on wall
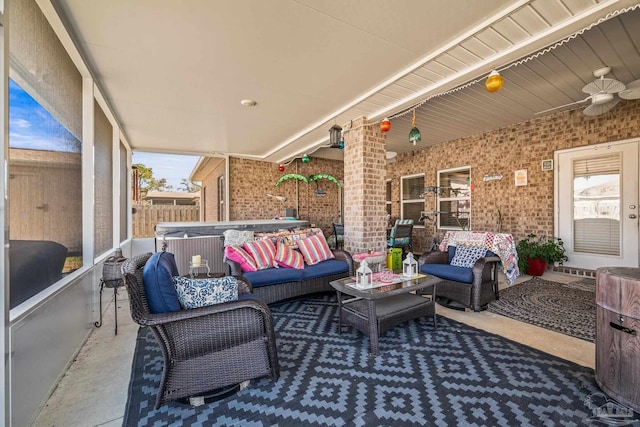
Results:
x,y
290,176
324,176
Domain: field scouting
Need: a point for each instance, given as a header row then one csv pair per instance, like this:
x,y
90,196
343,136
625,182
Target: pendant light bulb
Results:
x,y
494,82
414,134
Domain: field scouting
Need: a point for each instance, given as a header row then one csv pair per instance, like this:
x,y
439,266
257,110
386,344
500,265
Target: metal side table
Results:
x,y
115,284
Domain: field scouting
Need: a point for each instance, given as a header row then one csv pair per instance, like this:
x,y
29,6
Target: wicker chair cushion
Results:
x,y
449,272
263,253
325,268
194,293
158,276
466,256
274,275
315,249
239,255
288,258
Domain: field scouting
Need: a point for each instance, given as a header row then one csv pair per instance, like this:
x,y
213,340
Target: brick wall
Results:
x,y
525,209
250,180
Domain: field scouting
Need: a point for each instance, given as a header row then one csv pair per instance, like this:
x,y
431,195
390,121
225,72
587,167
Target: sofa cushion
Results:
x,y
315,249
263,253
248,296
466,256
239,255
325,268
158,275
449,272
272,276
288,258
451,252
194,293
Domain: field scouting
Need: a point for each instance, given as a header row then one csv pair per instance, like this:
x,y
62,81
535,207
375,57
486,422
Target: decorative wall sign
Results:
x,y
547,165
521,177
492,177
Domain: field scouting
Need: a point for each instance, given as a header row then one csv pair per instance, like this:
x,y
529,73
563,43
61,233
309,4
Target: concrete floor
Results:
x,y
94,390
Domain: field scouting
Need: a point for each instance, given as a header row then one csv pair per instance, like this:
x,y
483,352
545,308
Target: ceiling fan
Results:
x,y
602,93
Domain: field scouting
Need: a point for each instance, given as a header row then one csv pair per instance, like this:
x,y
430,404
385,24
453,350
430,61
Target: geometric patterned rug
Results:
x,y
453,375
568,308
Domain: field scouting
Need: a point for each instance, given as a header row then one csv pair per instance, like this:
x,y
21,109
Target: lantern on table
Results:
x,y
410,266
364,275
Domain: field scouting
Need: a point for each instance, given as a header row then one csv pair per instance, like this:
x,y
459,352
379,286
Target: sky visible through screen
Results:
x,y
172,167
31,127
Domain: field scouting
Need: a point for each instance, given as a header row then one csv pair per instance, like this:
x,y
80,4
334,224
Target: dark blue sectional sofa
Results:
x,y
277,284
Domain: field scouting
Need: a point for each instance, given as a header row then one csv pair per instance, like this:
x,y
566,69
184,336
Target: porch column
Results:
x,y
364,187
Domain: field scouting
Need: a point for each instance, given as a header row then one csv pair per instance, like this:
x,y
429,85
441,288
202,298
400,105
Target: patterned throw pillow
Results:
x,y
263,253
194,293
239,255
466,256
288,258
315,249
237,237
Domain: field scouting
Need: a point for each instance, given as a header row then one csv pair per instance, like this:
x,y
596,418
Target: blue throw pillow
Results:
x,y
466,256
194,293
158,276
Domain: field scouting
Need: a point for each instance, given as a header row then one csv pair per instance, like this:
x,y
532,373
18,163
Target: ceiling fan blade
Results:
x,y
603,85
563,106
632,91
597,109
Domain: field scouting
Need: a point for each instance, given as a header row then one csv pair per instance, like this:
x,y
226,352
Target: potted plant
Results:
x,y
535,252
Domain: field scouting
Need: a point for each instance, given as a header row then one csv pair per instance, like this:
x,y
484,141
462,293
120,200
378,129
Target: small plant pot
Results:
x,y
535,267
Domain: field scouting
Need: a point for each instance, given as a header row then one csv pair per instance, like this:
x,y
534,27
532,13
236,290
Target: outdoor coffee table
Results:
x,y
374,310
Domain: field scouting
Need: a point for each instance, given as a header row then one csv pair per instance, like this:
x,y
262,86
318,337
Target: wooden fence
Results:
x,y
146,217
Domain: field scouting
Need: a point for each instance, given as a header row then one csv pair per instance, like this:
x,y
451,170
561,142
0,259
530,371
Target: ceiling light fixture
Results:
x,y
494,82
248,103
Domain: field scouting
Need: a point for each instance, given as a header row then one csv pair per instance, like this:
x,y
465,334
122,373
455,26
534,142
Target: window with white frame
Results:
x,y
412,197
454,198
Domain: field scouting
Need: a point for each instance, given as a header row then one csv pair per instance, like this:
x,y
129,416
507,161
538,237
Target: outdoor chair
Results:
x,y
207,348
400,235
338,231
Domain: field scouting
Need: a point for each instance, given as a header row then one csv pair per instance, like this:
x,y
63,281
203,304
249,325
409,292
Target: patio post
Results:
x,y
364,186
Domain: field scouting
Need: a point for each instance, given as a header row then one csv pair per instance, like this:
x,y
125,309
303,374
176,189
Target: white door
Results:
x,y
597,204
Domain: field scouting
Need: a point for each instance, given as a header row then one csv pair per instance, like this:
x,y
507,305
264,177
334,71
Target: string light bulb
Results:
x,y
281,168
305,159
414,133
494,82
385,125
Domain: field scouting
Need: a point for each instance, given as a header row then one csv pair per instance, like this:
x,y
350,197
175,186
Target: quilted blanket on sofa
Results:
x,y
501,244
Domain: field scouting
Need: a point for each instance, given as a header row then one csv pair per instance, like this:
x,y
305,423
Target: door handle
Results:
x,y
633,216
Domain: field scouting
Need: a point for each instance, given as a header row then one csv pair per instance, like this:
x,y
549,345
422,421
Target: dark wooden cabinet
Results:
x,y
618,334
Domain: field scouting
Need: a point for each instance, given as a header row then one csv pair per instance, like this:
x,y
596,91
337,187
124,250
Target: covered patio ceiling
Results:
x,y
176,72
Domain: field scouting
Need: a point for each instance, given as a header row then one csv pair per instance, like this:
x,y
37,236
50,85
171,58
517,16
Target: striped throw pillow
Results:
x,y
315,249
288,257
239,255
263,253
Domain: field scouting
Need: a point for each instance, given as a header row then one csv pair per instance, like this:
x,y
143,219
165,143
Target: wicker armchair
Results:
x,y
206,348
475,295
